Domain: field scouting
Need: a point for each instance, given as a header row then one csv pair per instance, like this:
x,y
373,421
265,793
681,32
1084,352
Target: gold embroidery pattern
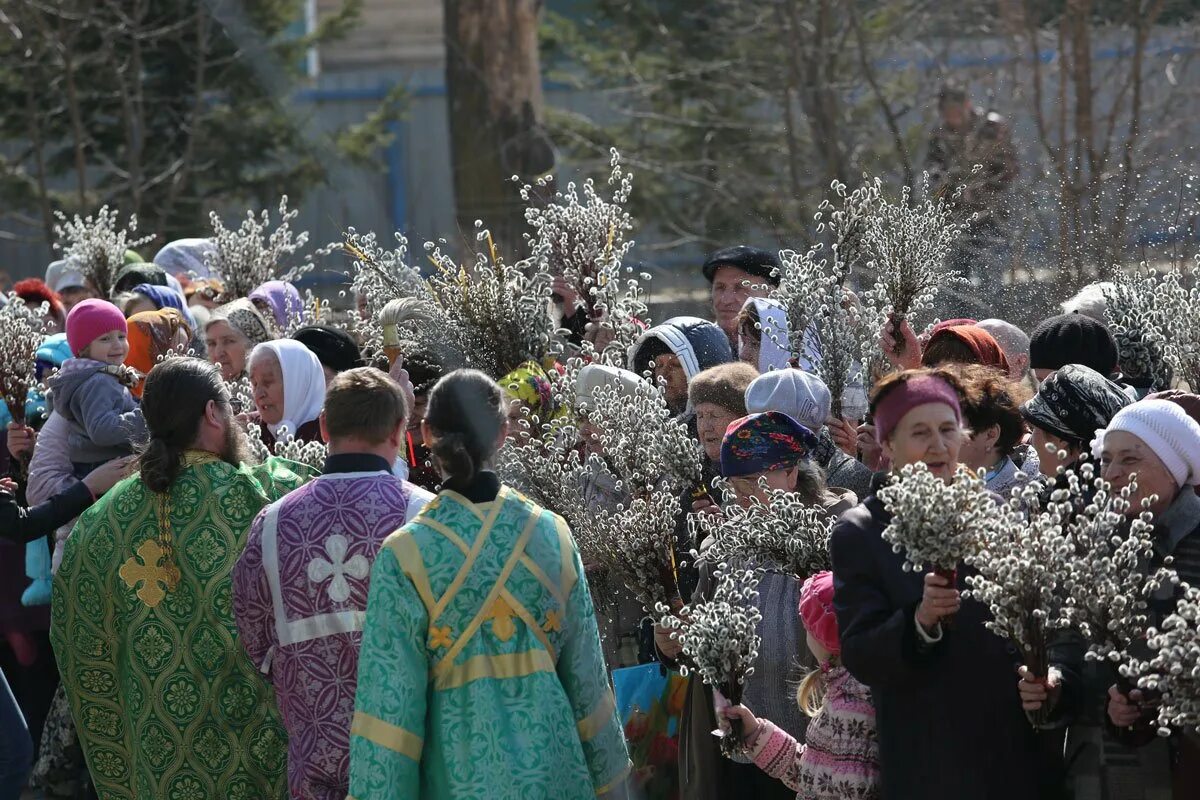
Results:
x,y
501,615
440,637
553,621
156,579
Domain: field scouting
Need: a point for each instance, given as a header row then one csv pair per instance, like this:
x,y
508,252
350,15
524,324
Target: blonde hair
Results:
x,y
810,694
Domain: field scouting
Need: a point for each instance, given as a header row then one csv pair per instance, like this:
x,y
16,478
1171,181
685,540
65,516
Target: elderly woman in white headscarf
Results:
x,y
289,391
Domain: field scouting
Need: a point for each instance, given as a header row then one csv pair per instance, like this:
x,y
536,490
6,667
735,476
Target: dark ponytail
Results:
x,y
173,403
465,416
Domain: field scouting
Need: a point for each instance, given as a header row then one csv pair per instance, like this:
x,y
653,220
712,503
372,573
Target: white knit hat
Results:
x,y
802,396
1167,430
593,376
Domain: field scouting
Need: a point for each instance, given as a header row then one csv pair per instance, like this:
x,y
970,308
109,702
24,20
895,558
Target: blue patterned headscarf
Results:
x,y
165,297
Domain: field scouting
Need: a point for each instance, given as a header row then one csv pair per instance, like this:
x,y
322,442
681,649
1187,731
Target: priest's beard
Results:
x,y
234,448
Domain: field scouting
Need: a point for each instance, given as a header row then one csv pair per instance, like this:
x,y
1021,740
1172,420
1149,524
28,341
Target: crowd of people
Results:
x,y
187,620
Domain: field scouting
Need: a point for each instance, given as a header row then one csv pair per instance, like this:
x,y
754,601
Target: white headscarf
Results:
x,y
774,350
303,385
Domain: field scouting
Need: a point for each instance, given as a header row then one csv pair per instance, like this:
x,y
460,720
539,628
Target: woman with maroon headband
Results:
x,y
948,699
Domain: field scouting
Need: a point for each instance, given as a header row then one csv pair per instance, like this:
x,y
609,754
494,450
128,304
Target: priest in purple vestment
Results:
x,y
300,587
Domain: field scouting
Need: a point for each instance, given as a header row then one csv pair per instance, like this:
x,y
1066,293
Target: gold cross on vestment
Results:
x,y
501,615
156,579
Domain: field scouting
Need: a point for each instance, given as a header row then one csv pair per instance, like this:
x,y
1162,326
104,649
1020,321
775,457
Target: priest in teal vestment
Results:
x,y
481,673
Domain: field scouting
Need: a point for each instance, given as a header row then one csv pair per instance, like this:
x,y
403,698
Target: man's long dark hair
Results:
x,y
176,394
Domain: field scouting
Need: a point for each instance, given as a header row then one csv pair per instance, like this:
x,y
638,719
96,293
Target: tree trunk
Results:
x,y
494,91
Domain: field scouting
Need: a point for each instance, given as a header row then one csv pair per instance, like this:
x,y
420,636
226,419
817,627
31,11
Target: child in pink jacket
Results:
x,y
841,758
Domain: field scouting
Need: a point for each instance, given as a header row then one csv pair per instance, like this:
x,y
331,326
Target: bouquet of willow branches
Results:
x,y
1134,306
310,454
780,534
648,460
720,638
1173,669
584,242
937,524
1176,305
23,331
252,254
909,241
96,246
1023,565
380,275
1107,585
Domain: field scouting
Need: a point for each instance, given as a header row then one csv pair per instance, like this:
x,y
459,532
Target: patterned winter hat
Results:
x,y
764,442
1074,403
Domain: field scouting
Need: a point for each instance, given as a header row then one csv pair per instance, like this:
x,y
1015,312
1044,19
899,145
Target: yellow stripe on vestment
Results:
x,y
602,715
544,579
404,548
464,502
385,734
508,665
566,544
518,550
532,624
617,781
455,539
469,562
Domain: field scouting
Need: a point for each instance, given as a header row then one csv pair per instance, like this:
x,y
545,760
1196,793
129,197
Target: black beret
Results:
x,y
333,347
756,261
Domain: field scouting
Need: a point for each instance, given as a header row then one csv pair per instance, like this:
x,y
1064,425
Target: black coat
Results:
x,y
948,714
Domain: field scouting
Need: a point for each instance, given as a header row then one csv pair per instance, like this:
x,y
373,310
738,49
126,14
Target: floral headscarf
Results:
x,y
529,384
764,442
242,316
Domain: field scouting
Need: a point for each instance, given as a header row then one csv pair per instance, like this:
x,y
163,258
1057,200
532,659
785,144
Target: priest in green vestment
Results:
x,y
165,700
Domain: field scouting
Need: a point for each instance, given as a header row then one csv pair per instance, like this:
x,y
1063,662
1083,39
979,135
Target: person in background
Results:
x,y
334,348
279,302
204,292
169,704
232,331
805,398
964,344
148,297
1071,405
529,399
68,283
839,757
1072,339
972,162
153,335
92,390
321,547
676,352
1091,301
734,275
135,273
187,258
289,391
506,657
948,702
1015,344
424,370
991,407
35,292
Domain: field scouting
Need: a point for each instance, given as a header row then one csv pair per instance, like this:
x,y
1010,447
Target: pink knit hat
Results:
x,y
918,391
90,320
816,611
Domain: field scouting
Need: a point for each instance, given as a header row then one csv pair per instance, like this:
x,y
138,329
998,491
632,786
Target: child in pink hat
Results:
x,y
91,390
841,756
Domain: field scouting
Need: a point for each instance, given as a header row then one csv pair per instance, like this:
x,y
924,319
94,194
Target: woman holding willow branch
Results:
x,y
948,699
765,457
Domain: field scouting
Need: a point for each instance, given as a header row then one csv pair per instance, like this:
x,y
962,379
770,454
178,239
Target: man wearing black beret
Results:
x,y
736,274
